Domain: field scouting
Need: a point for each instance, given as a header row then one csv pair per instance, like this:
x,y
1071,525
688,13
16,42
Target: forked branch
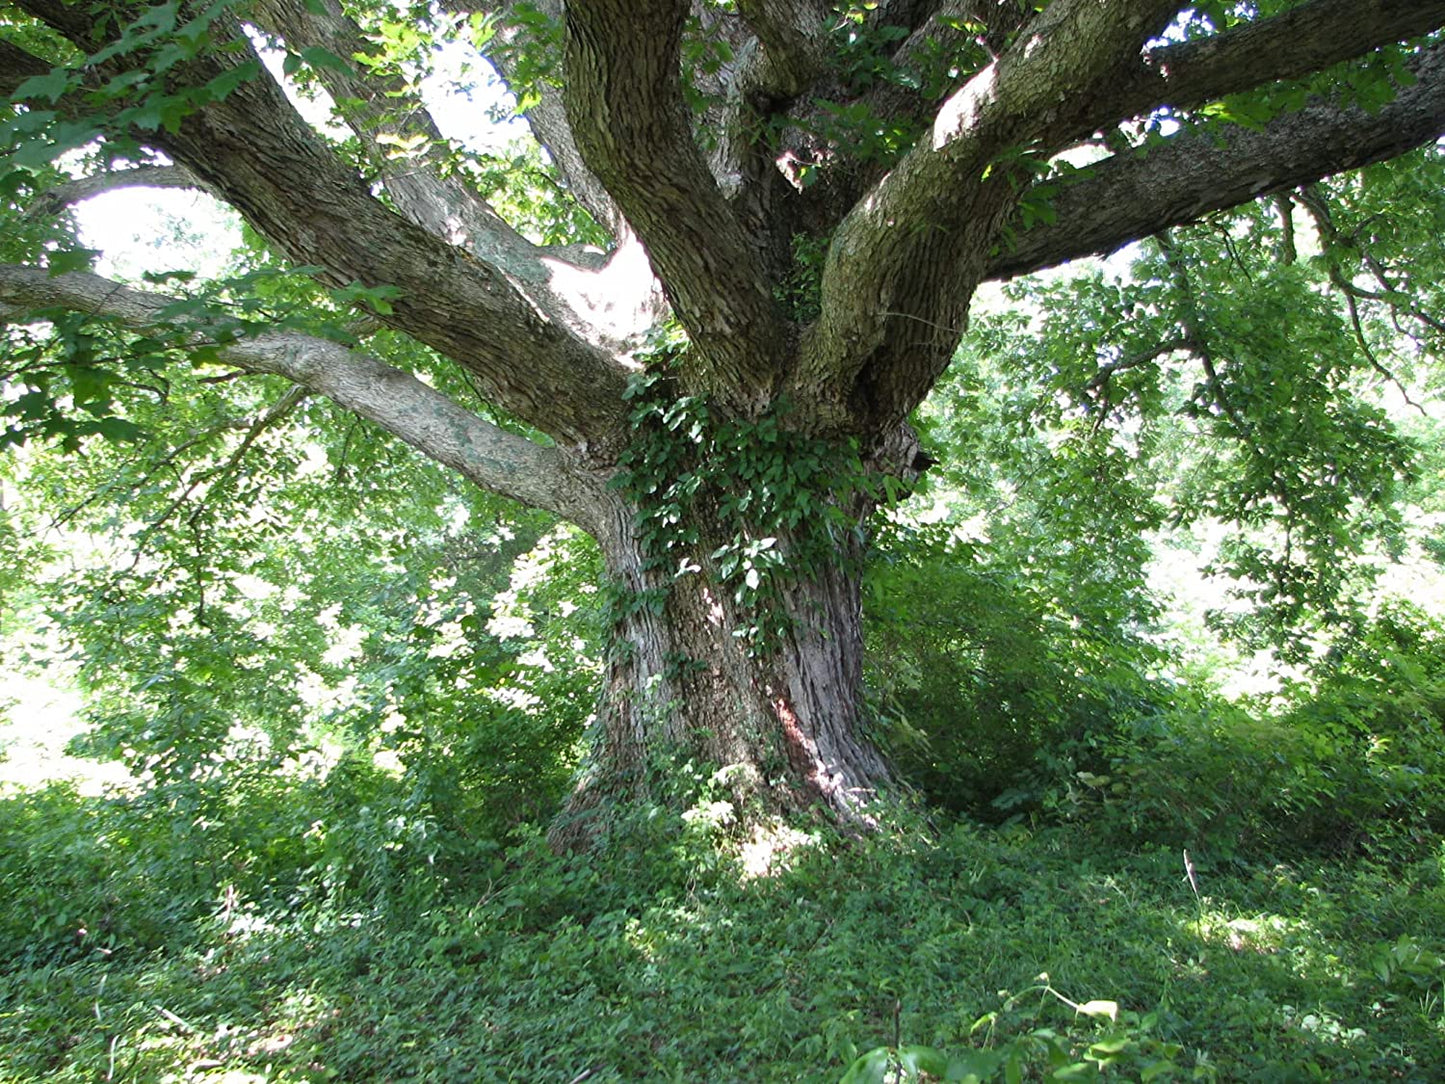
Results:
x,y
630,119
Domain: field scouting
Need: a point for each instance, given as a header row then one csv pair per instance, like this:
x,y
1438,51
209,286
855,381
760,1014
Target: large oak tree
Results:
x,y
798,200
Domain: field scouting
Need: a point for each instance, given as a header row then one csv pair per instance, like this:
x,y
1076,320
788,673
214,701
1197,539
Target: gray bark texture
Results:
x,y
699,139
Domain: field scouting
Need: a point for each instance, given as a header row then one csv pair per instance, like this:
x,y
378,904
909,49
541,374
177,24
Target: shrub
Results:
x,y
985,694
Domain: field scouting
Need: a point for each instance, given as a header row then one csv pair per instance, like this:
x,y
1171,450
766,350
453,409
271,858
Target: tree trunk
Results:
x,y
769,693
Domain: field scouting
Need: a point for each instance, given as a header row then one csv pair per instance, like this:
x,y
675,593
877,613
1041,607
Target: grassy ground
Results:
x,y
145,939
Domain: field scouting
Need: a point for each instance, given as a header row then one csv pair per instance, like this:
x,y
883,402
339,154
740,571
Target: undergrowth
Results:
x,y
1195,890
138,948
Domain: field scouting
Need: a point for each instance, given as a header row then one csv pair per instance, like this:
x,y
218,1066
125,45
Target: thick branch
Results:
x,y
904,262
1300,42
383,109
375,106
253,150
625,102
1136,194
792,44
395,400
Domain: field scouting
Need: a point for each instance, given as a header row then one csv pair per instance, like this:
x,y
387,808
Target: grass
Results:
x,y
138,948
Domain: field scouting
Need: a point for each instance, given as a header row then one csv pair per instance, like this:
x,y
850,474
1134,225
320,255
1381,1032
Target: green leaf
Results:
x,y
972,1066
89,384
1113,1045
870,1068
320,58
37,154
52,85
119,430
922,1059
76,259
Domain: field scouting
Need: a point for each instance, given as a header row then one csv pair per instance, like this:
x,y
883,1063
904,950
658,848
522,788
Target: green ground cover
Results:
x,y
303,938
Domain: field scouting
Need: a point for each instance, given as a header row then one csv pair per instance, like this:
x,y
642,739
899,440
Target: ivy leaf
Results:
x,y
37,154
223,85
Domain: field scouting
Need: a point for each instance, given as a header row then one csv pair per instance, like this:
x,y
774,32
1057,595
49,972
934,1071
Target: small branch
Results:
x,y
1285,206
67,514
1314,202
56,199
1105,373
1197,335
221,473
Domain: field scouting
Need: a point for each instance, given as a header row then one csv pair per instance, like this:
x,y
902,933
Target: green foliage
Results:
x,y
984,691
751,503
1352,760
801,291
1125,1045
1223,378
652,959
162,37
263,573
347,690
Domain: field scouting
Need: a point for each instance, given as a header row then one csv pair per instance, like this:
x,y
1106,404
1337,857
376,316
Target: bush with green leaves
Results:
x,y
1375,714
1350,759
985,692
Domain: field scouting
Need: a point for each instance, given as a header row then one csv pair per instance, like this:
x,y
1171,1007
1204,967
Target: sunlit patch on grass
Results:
x,y
1262,934
1320,1025
772,849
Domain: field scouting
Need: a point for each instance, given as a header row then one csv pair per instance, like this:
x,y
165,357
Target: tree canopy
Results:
x,y
697,314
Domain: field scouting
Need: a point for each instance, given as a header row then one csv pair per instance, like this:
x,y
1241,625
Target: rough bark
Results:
x,y
779,716
625,103
423,183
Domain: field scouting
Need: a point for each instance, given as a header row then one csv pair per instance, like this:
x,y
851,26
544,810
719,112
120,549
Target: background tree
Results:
x,y
793,205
